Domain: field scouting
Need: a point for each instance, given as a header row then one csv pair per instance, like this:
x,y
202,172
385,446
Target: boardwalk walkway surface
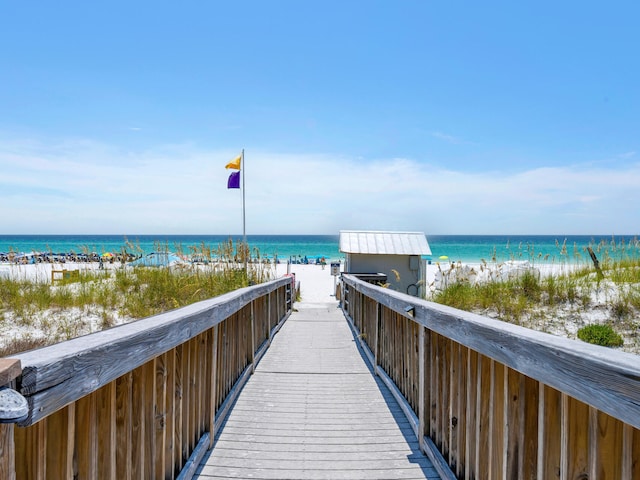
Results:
x,y
314,410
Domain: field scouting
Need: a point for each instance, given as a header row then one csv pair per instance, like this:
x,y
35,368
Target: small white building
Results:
x,y
398,255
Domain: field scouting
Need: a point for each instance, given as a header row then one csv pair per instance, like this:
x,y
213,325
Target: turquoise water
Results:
x,y
534,248
282,246
464,248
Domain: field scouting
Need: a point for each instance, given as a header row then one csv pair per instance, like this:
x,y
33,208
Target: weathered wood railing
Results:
x,y
142,400
500,401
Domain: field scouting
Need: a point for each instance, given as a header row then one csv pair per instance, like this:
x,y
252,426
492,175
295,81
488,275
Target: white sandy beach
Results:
x,y
316,283
317,286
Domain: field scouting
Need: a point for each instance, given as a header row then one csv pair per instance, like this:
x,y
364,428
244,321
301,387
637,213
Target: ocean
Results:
x,y
463,248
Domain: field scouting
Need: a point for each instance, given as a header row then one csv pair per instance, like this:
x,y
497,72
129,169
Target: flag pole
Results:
x,y
244,223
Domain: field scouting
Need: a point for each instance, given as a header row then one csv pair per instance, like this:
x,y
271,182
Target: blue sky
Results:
x,y
442,117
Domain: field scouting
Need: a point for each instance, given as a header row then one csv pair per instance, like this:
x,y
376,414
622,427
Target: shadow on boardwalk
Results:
x,y
314,410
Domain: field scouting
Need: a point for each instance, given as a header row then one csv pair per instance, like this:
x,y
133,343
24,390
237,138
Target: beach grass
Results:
x,y
564,303
99,299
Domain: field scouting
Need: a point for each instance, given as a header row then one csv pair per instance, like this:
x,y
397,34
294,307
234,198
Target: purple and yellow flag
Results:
x,y
235,163
234,180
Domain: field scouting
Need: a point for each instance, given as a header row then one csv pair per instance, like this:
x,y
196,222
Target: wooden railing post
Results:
x,y
12,407
253,338
421,384
214,382
7,451
269,327
376,343
277,294
291,293
627,451
564,436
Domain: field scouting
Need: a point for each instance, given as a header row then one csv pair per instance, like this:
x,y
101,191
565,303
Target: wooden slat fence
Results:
x,y
498,401
142,400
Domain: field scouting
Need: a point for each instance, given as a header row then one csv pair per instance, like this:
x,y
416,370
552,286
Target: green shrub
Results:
x,y
602,335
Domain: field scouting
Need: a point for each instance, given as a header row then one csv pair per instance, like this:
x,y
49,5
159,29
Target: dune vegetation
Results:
x,y
599,305
38,313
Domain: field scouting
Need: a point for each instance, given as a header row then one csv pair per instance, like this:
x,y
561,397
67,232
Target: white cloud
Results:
x,y
446,137
85,187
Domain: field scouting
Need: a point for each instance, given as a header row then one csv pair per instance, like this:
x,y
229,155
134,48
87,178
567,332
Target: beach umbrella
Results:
x,y
158,259
443,257
107,255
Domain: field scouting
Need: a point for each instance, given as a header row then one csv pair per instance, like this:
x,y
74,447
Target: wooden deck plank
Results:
x,y
318,448
364,454
313,409
312,474
324,464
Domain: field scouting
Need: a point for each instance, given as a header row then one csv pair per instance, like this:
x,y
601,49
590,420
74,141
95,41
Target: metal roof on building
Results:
x,y
384,243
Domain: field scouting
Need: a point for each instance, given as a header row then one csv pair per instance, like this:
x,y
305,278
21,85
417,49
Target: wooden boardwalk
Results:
x,y
314,410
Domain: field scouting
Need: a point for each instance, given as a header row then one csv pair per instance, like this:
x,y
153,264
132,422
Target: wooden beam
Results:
x,y
160,416
87,436
106,429
124,425
150,447
627,452
252,321
596,263
7,451
178,406
170,415
10,369
213,389
376,341
138,426
31,448
421,386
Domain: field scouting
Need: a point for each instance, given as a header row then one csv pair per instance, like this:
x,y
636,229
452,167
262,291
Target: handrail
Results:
x,y
141,399
495,396
59,374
